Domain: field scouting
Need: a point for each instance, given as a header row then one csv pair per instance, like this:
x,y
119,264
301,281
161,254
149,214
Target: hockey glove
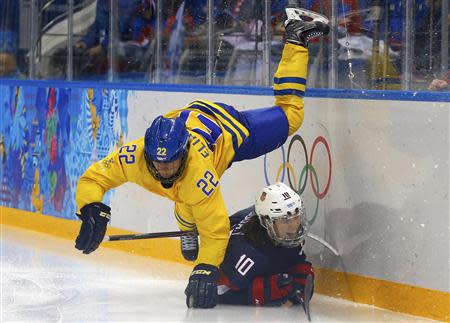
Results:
x,y
271,290
201,291
299,273
95,217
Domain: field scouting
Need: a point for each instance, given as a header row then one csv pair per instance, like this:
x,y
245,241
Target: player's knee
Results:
x,y
185,222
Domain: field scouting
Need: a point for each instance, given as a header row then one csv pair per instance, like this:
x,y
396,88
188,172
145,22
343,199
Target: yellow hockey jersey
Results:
x,y
216,134
197,193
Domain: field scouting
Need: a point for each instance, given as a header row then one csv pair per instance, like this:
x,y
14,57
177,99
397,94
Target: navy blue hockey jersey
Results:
x,y
246,260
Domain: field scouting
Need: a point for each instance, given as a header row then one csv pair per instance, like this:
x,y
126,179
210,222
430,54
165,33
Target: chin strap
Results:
x,y
167,185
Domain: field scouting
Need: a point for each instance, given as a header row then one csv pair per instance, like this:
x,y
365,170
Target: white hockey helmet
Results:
x,y
281,212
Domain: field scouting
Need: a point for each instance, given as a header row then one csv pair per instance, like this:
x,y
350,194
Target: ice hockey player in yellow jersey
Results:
x,y
185,152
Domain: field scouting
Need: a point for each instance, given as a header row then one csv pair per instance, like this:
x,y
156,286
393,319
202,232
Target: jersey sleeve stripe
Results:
x,y
230,118
219,112
289,86
228,129
298,93
280,80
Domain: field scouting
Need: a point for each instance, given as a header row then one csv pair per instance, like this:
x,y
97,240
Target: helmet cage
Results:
x,y
166,182
268,223
166,140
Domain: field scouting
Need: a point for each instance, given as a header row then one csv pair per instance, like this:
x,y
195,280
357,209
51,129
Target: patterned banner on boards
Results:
x,y
49,136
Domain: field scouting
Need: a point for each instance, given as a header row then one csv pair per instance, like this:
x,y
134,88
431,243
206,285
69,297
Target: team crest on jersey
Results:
x,y
263,196
107,163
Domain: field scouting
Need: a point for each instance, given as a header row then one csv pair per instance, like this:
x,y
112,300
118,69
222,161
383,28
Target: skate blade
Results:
x,y
298,13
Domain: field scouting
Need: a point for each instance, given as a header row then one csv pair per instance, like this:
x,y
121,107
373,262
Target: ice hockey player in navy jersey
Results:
x,y
264,263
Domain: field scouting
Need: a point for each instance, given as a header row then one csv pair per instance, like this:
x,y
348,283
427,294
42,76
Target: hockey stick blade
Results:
x,y
307,296
324,243
168,234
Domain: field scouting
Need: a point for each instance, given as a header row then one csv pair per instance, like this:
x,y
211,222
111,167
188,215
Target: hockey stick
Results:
x,y
323,242
168,234
172,234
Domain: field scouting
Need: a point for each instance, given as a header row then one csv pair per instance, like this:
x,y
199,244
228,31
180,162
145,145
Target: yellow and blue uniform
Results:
x,y
219,136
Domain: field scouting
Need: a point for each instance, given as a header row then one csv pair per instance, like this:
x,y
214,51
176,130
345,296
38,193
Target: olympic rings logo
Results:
x,y
300,186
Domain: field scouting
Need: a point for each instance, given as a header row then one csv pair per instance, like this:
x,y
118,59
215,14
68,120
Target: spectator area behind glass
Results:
x,y
226,42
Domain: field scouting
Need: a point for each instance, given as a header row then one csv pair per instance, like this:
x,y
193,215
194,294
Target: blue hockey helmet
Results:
x,y
166,140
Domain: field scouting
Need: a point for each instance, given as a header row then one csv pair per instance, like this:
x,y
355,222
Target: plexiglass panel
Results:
x,y
240,31
381,44
184,41
10,59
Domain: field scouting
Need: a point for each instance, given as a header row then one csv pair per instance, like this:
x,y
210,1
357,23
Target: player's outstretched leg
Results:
x,y
270,127
303,25
290,79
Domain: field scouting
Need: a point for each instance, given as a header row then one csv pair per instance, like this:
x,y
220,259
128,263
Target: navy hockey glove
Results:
x,y
95,217
299,273
271,290
201,290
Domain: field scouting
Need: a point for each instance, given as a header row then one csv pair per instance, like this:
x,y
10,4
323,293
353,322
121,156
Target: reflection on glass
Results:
x,y
116,40
378,54
430,71
9,40
240,29
51,42
185,42
240,41
126,52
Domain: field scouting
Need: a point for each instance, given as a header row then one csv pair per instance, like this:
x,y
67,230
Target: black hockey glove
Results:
x,y
95,217
201,291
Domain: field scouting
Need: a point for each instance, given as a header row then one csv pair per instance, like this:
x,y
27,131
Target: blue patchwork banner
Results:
x,y
49,136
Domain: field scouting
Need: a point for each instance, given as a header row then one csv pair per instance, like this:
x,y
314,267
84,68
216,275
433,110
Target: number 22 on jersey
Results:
x,y
207,183
126,154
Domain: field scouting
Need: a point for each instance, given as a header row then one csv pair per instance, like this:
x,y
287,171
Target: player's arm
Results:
x,y
299,272
213,225
271,290
290,84
101,177
241,281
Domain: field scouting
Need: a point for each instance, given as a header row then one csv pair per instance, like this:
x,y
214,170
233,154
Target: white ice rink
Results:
x,y
44,279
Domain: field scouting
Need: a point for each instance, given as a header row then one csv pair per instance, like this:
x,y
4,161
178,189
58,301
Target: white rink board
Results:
x,y
387,207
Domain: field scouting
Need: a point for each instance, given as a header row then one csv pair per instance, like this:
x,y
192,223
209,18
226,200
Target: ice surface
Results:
x,y
44,279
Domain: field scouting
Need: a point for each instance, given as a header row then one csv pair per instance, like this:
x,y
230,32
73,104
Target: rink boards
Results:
x,y
376,180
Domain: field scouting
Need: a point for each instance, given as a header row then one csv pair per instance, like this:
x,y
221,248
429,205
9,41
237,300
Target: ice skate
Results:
x,y
189,247
303,25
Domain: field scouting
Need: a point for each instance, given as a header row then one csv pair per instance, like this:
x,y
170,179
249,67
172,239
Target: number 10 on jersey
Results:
x,y
244,264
